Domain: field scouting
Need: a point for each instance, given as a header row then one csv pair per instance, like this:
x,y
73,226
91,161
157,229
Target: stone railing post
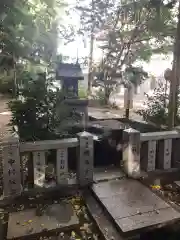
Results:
x,y
85,159
11,167
131,152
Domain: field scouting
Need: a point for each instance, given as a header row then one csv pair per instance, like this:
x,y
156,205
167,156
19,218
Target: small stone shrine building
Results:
x,y
69,74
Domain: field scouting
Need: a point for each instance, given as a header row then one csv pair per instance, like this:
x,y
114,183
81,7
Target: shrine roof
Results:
x,y
69,70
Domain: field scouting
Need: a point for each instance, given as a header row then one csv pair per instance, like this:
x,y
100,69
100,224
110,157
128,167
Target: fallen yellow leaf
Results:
x,y
157,187
73,234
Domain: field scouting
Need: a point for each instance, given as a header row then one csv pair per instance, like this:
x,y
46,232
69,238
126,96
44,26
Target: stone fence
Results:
x,y
141,151
150,151
13,153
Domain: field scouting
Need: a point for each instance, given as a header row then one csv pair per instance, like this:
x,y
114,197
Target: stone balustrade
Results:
x,y
150,151
12,151
141,151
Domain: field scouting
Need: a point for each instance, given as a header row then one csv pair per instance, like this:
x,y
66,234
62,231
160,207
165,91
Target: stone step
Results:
x,y
105,225
132,206
30,223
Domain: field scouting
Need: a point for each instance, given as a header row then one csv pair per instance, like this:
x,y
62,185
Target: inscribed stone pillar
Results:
x,y
131,152
86,159
11,168
62,166
39,163
164,154
148,155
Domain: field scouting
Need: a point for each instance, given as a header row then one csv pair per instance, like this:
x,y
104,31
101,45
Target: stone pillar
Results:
x,y
164,154
62,166
11,167
148,155
85,159
131,152
39,164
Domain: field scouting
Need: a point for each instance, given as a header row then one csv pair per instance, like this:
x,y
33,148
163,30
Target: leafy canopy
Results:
x,y
128,32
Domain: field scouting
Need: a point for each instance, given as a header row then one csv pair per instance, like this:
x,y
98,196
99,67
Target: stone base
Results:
x,y
133,207
56,217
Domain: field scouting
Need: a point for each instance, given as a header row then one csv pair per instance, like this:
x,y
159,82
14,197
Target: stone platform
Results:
x,y
56,217
132,206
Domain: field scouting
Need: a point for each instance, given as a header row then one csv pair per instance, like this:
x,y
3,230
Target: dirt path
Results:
x,y
5,117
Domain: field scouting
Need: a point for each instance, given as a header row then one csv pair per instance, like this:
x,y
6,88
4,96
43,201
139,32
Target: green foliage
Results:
x,y
40,112
6,83
28,31
82,93
135,75
130,76
29,36
128,32
156,107
100,97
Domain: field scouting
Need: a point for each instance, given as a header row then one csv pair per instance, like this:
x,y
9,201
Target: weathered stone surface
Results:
x,y
86,158
39,164
177,183
128,200
62,166
132,203
131,152
101,174
148,219
11,169
104,223
26,222
164,154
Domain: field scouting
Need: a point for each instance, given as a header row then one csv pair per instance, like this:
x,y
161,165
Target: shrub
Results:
x,y
99,96
82,93
156,107
40,112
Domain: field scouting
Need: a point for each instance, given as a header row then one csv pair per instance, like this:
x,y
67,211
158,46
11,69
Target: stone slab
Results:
x,y
110,124
149,219
103,115
121,206
102,220
102,174
56,216
117,187
126,198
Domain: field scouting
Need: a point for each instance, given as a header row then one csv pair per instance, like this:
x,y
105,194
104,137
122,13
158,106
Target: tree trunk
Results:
x,y
127,110
174,83
91,50
128,104
135,89
127,107
107,95
15,92
165,92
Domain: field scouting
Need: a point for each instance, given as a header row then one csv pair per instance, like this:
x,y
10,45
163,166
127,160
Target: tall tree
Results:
x,y
175,78
130,31
29,32
93,16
